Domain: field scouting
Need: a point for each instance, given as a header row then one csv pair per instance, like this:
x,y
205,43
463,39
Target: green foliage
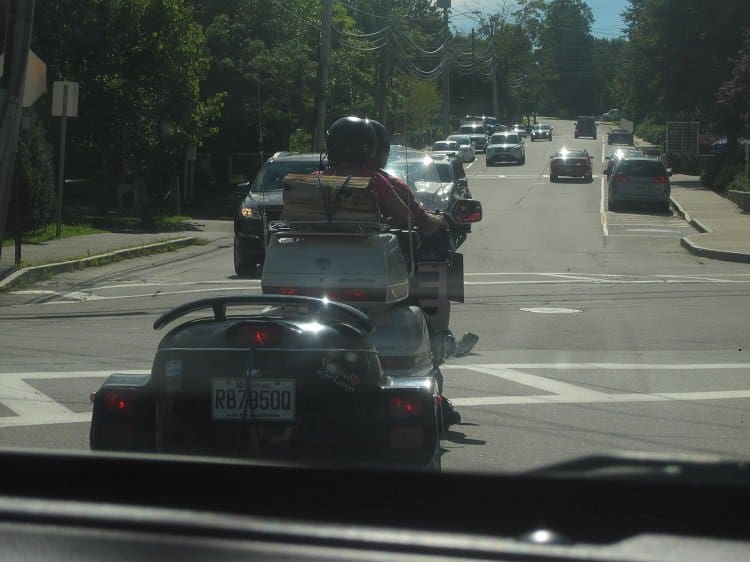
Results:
x,y
139,64
652,132
740,182
300,141
677,56
38,201
727,176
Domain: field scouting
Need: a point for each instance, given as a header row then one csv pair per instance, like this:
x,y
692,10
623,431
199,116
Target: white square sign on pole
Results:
x,y
71,102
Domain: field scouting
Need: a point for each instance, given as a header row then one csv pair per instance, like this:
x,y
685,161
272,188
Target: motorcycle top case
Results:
x,y
334,246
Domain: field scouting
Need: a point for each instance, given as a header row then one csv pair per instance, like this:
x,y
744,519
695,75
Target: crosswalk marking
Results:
x,y
31,407
559,392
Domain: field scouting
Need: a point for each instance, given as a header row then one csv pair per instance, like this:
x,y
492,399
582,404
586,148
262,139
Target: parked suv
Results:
x,y
611,115
585,127
640,179
265,198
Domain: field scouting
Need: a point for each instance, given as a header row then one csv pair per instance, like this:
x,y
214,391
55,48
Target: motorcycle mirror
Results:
x,y
466,211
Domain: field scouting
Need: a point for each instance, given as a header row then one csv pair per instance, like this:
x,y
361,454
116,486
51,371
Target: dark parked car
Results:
x,y
585,127
639,179
574,163
262,205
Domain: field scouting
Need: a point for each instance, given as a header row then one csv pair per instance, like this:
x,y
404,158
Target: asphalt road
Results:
x,y
598,332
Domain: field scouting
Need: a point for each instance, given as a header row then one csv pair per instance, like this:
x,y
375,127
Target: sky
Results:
x,y
607,20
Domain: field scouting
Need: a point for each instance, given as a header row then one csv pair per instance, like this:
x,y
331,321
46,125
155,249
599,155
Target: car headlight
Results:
x,y
249,212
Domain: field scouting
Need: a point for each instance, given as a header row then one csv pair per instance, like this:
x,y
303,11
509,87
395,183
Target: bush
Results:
x,y
652,132
726,176
38,198
741,182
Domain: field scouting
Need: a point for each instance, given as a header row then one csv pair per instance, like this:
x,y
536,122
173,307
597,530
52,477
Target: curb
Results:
x,y
695,223
40,272
694,248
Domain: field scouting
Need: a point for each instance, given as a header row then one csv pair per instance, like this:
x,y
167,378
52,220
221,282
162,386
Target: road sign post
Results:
x,y
64,105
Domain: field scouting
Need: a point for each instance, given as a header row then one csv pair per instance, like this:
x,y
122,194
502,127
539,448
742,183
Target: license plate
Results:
x,y
263,400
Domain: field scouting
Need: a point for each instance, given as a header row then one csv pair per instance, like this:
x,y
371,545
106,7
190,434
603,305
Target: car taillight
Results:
x,y
285,291
117,401
253,335
619,178
405,406
338,294
661,180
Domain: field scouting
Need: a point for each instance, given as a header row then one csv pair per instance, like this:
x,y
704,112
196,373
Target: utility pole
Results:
x,y
474,109
325,55
18,24
383,69
493,70
446,5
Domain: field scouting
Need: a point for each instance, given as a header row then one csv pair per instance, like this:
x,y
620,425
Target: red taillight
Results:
x,y
619,178
402,406
661,180
287,291
343,294
252,335
116,402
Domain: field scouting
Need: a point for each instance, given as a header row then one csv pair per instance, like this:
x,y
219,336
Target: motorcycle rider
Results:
x,y
430,225
351,144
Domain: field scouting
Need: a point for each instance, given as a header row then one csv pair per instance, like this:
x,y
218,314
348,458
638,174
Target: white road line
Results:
x,y
470,165
602,210
540,383
609,281
603,366
32,375
161,294
33,407
600,398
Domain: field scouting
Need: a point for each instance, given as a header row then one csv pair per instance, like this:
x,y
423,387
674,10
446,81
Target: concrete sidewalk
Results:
x,y
67,254
724,227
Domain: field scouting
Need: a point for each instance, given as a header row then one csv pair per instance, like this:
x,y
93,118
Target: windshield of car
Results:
x,y
471,129
620,138
641,168
576,316
445,170
505,139
271,176
418,167
463,140
443,145
568,153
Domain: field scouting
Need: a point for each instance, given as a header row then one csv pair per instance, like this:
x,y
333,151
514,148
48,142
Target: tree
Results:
x,y
139,64
734,96
678,54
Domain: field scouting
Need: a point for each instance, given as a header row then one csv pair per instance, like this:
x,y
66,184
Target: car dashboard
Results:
x,y
110,506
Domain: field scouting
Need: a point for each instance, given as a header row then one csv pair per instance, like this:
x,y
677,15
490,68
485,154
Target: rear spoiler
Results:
x,y
316,307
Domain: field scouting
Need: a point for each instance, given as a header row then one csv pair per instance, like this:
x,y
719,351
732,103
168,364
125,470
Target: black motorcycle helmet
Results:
x,y
351,139
383,148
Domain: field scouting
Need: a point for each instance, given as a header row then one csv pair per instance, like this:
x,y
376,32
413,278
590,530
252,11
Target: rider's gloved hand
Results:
x,y
433,225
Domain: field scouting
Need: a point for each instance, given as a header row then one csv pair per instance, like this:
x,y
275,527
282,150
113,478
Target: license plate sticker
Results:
x,y
263,400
